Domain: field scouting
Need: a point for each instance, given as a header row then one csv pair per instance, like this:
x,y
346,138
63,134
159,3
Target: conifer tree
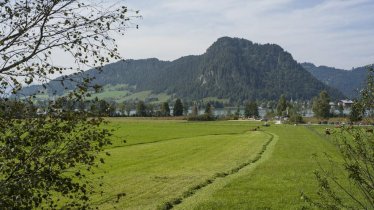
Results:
x,y
178,108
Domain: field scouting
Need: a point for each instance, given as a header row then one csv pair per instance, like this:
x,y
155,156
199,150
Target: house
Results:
x,y
346,103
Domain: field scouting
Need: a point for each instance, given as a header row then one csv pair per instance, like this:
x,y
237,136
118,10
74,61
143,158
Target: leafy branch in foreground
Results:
x,y
35,33
45,159
356,147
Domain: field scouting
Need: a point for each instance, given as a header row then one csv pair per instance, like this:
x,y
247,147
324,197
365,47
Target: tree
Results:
x,y
321,106
295,117
251,110
208,111
355,145
141,109
195,110
367,95
122,108
103,108
247,111
178,108
112,109
254,109
237,112
150,110
270,114
45,159
281,106
365,106
128,108
185,108
356,113
341,109
165,110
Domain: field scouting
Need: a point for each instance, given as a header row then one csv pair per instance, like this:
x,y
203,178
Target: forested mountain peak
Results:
x,y
347,81
231,68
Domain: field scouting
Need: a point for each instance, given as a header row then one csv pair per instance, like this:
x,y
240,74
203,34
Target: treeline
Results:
x,y
103,108
283,109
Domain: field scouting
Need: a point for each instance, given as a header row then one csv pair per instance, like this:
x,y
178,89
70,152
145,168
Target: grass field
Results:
x,y
210,165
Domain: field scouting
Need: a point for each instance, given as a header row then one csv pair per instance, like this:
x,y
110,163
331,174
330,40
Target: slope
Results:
x,y
349,82
232,68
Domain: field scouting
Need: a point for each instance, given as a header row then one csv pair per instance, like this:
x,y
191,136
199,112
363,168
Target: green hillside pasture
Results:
x,y
162,97
117,87
153,174
138,96
276,183
139,131
111,95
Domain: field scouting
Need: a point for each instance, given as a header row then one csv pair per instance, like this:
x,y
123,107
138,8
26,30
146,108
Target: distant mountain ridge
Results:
x,y
349,82
231,68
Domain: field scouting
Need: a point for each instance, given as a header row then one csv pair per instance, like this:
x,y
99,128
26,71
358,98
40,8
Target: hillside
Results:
x,y
349,82
232,68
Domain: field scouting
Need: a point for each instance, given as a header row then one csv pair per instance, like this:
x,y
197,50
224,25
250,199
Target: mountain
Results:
x,y
349,82
232,68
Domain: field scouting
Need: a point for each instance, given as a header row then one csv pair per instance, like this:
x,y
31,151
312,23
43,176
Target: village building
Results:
x,y
346,103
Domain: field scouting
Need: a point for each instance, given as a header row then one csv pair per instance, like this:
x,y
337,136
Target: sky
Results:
x,y
337,33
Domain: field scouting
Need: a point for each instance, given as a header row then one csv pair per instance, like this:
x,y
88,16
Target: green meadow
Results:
x,y
177,164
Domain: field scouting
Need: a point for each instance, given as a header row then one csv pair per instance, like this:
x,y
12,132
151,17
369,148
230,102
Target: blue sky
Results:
x,y
337,33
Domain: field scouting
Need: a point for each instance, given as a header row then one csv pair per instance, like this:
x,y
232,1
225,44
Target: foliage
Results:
x,y
44,159
356,112
207,116
237,112
195,110
355,145
185,107
270,114
32,31
341,110
122,108
178,108
203,117
295,117
321,106
251,109
141,109
208,110
365,105
165,110
367,94
281,106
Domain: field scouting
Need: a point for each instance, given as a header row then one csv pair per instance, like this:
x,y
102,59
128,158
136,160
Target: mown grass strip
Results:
x,y
151,174
284,171
190,192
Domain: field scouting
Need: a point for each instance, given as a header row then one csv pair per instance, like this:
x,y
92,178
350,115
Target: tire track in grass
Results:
x,y
219,176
